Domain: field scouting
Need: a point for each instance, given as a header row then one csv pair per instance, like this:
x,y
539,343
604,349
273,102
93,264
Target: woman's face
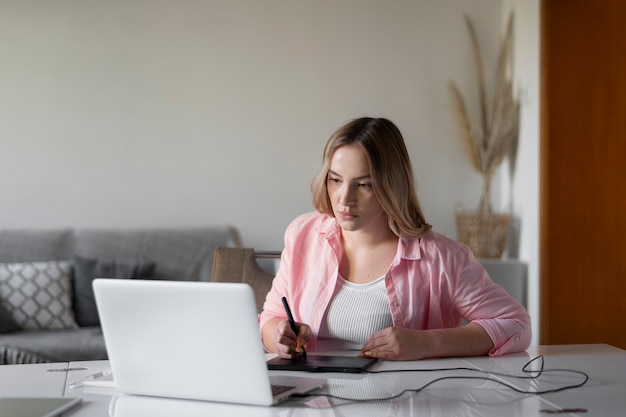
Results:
x,y
355,205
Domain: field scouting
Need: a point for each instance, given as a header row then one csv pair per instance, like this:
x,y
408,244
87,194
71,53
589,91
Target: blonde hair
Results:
x,y
390,169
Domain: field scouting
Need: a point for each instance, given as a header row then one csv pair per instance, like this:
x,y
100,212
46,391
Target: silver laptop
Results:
x,y
193,340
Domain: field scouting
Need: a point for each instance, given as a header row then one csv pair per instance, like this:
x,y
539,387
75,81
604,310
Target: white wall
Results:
x,y
525,186
159,113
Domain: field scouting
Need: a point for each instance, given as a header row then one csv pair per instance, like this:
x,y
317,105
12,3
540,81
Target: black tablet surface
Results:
x,y
322,363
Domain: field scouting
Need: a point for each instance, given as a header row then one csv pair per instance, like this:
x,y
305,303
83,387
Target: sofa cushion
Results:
x,y
181,254
86,343
38,295
7,323
12,356
87,269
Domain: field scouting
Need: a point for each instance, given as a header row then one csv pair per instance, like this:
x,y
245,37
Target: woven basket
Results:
x,y
486,235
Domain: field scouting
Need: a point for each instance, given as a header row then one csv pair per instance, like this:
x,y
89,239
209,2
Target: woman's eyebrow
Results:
x,y
362,177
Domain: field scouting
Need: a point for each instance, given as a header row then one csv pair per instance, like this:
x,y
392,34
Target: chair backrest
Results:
x,y
240,265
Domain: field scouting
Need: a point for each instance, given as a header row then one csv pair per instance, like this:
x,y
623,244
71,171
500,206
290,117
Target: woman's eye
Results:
x,y
365,185
333,180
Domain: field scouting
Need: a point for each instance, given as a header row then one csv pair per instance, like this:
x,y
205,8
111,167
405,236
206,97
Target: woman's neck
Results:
x,y
366,256
372,237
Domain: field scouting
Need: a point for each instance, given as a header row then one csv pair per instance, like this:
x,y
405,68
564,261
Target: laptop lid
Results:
x,y
194,340
140,406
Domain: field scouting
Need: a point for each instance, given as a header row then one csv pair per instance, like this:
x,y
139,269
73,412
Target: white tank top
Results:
x,y
355,313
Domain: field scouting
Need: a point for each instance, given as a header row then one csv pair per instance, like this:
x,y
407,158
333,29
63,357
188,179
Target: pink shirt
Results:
x,y
433,282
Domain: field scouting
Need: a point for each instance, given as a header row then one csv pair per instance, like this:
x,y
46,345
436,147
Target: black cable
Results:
x,y
525,369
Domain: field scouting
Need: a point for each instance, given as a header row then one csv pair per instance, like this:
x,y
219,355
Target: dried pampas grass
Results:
x,y
495,136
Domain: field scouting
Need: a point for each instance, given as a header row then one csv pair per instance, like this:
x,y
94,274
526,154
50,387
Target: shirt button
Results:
x,y
396,304
388,276
517,338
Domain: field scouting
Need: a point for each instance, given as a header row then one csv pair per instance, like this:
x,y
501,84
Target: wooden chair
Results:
x,y
240,265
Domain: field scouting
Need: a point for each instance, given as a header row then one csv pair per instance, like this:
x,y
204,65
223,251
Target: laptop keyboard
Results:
x,y
279,389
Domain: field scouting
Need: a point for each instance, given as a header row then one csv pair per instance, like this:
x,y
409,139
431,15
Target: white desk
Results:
x,y
603,395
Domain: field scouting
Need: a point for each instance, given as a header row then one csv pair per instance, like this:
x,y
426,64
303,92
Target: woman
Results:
x,y
366,272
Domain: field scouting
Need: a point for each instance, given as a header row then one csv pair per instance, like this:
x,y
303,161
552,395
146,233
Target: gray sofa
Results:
x,y
47,310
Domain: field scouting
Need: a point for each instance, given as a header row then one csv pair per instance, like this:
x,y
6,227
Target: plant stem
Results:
x,y
484,205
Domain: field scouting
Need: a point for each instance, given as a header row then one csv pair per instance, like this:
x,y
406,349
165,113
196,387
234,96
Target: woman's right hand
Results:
x,y
289,345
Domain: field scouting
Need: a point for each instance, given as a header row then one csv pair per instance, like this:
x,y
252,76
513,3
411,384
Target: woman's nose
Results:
x,y
348,196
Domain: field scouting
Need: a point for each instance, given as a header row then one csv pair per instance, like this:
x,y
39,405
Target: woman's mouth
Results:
x,y
345,215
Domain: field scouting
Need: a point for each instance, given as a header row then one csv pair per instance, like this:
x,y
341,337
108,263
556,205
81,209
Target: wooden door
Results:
x,y
583,172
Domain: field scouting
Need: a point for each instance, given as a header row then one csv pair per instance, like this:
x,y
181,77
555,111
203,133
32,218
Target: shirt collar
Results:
x,y
408,248
329,229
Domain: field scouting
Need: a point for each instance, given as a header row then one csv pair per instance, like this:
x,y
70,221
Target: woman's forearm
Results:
x,y
395,343
267,334
469,340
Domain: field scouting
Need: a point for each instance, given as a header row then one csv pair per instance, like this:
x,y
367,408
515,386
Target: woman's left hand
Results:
x,y
398,344
407,344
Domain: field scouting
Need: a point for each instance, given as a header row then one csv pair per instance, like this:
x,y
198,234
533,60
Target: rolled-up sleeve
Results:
x,y
508,334
459,290
484,302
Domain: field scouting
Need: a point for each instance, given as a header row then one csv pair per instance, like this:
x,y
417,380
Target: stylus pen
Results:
x,y
101,374
292,322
